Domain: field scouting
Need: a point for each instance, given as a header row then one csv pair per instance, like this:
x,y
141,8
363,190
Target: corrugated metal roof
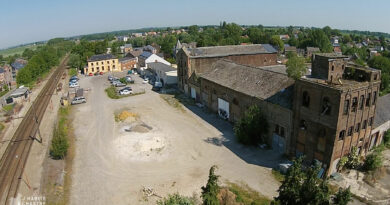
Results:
x,y
219,51
382,111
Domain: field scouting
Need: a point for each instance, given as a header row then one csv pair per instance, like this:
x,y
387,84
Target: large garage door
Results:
x,y
193,93
223,108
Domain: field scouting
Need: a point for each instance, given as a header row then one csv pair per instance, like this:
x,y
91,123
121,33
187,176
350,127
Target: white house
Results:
x,y
165,74
147,57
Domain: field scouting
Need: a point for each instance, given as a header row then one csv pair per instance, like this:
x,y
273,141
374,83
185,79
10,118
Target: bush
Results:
x,y
176,199
72,71
211,190
111,92
123,80
342,197
59,145
251,128
386,138
353,159
373,161
343,161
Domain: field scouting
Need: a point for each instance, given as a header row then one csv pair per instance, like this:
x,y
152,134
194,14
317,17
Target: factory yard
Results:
x,y
155,145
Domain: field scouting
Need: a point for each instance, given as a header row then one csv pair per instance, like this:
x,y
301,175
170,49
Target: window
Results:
x,y
374,98
282,131
343,67
354,104
276,131
332,67
342,135
108,62
371,121
113,61
326,107
357,127
303,125
364,124
91,64
350,131
305,99
93,70
361,103
346,107
235,101
368,100
375,76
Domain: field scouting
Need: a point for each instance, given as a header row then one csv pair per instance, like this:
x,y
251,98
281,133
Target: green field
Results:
x,y
16,50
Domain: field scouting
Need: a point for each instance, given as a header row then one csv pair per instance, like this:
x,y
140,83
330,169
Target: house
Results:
x,y
291,49
16,66
150,49
381,121
6,75
165,74
134,54
127,48
334,110
147,57
122,38
136,35
127,63
102,63
284,37
334,40
229,89
337,48
311,50
18,95
194,61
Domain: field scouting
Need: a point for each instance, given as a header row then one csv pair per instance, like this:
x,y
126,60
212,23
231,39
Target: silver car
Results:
x,y
78,100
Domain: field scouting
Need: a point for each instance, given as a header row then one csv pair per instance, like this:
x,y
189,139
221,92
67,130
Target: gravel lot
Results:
x,y
167,149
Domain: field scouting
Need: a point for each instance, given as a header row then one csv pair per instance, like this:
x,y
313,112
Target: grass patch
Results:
x,y
5,91
113,94
72,72
1,127
17,50
172,101
57,194
246,195
277,175
59,143
8,108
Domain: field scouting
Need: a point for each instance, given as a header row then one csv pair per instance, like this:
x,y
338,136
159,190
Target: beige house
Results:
x,y
102,63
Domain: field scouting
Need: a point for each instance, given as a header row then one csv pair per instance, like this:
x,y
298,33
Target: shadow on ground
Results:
x,y
252,155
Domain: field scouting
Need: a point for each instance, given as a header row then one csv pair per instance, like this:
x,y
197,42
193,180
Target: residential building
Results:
x,y
147,57
337,48
127,63
165,74
284,37
102,63
134,54
122,38
6,75
311,50
291,49
229,89
334,110
195,61
127,48
381,121
16,66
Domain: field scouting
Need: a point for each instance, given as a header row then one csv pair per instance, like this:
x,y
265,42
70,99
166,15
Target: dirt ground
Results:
x,y
162,148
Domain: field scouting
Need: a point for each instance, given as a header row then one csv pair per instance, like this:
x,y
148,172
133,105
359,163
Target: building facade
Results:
x,y
192,62
334,109
102,63
127,63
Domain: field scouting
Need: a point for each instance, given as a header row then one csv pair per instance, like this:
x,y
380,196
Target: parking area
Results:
x,y
154,145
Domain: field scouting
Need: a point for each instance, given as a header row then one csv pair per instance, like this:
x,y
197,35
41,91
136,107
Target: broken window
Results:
x,y
361,103
357,127
305,99
364,124
282,131
342,135
350,131
374,98
326,107
371,121
346,107
368,100
276,131
303,125
354,104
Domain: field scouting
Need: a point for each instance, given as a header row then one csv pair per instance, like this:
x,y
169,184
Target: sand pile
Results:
x,y
126,116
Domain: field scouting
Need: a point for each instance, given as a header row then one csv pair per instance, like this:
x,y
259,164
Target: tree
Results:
x,y
321,40
24,76
347,39
373,161
176,199
211,190
251,128
353,159
59,144
342,197
276,41
296,67
193,30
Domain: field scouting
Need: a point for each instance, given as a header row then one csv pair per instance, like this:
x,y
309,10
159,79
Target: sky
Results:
x,y
27,21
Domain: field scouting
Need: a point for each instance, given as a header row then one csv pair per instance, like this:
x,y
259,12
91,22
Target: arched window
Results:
x,y
305,99
326,106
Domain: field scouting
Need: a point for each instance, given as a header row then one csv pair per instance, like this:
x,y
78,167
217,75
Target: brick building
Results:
x,y
229,89
127,63
194,61
333,110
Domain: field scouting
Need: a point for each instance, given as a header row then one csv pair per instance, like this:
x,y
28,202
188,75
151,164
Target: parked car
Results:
x,y
114,82
74,77
110,78
119,84
73,85
101,73
90,74
126,91
73,81
78,100
146,80
129,79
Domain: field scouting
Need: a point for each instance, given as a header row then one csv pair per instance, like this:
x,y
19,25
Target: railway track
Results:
x,y
16,154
